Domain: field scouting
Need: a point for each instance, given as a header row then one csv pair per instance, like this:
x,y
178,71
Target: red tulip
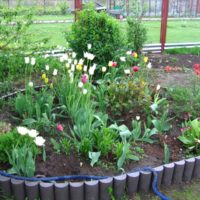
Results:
x,y
114,64
135,68
168,69
197,69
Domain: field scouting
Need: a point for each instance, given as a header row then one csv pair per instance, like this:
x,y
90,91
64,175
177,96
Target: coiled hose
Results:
x,y
88,177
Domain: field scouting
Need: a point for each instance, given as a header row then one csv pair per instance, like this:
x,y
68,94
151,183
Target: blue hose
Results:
x,y
87,177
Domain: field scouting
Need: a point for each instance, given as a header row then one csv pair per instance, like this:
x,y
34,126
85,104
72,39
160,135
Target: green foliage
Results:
x,y
63,5
22,161
63,146
126,94
35,108
84,146
185,101
162,125
104,140
191,135
13,35
98,29
11,139
56,145
136,34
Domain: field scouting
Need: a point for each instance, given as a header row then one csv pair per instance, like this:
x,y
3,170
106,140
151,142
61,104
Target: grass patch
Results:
x,y
193,51
54,32
186,192
178,31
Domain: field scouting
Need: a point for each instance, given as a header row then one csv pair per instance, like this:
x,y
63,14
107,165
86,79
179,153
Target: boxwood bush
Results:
x,y
98,29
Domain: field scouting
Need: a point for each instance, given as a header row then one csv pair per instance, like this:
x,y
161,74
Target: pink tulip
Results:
x,y
59,127
84,78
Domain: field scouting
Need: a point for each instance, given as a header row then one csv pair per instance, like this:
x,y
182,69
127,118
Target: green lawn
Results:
x,y
54,32
178,31
184,192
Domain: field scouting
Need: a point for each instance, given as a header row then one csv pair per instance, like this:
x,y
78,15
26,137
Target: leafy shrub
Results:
x,y
126,94
191,135
63,7
10,140
185,102
136,34
98,29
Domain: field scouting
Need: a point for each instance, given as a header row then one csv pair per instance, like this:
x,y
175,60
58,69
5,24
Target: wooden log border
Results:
x,y
117,186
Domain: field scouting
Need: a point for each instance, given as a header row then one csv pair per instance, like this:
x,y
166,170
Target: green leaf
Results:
x,y
94,156
29,121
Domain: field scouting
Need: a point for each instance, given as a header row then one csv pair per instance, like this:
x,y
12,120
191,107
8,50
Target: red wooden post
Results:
x,y
163,29
78,7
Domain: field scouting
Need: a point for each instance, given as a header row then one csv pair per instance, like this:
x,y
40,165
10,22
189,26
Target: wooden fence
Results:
x,y
130,184
151,8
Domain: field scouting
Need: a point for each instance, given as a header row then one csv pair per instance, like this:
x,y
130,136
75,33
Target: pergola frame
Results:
x,y
163,27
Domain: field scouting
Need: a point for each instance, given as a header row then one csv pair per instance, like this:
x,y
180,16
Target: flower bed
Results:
x,y
99,119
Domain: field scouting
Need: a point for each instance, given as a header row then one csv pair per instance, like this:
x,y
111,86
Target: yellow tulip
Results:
x,y
146,59
79,67
44,76
46,80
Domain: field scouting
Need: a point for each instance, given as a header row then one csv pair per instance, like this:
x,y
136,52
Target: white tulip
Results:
x,y
75,62
129,52
33,60
127,71
81,61
94,66
85,68
72,67
47,67
103,69
123,59
33,133
137,118
85,55
55,72
91,71
65,56
22,130
73,54
85,91
30,84
158,87
39,141
149,66
67,65
90,56
27,60
80,84
89,46
62,59
69,60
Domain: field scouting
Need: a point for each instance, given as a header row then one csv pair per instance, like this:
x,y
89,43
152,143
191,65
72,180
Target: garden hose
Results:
x,y
88,177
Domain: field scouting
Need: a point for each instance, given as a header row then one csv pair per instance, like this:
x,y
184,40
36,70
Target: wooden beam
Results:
x,y
78,7
163,29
